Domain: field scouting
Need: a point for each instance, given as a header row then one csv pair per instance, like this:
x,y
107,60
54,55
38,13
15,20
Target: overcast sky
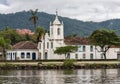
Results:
x,y
86,10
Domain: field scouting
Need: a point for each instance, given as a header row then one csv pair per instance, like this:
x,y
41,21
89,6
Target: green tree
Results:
x,y
104,39
9,33
26,37
39,32
65,50
34,17
4,44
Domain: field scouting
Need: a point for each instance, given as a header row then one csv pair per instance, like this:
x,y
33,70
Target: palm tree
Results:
x,y
4,44
34,17
39,32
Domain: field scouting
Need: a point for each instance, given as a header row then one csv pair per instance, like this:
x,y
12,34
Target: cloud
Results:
x,y
86,10
3,2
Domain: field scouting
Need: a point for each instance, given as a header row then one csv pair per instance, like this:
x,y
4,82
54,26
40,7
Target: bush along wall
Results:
x,y
67,64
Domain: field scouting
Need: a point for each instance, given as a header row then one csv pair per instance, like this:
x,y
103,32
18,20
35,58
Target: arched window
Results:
x,y
46,55
22,54
51,44
91,56
40,46
91,48
28,55
84,48
58,31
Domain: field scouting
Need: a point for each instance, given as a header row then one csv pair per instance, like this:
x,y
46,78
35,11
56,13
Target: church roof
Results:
x,y
25,45
81,41
56,21
77,41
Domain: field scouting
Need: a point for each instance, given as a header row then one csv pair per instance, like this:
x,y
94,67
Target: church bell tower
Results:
x,y
57,30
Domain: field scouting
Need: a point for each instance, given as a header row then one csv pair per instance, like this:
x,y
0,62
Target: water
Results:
x,y
80,76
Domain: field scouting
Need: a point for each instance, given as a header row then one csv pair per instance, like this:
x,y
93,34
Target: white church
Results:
x,y
44,50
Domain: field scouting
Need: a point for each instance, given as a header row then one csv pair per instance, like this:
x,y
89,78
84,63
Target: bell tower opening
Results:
x,y
58,31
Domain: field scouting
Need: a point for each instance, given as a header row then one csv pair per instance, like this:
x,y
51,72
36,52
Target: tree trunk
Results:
x,y
104,54
35,25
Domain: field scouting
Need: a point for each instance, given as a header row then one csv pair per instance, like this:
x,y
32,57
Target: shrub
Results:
x,y
68,63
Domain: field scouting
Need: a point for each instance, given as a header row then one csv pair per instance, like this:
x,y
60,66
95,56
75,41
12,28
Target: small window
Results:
x,y
40,46
76,56
22,55
91,48
84,48
47,45
91,56
84,56
51,44
46,55
58,31
28,55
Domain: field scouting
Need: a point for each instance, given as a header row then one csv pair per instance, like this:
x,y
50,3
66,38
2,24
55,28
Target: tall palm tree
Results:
x,y
4,44
34,17
40,32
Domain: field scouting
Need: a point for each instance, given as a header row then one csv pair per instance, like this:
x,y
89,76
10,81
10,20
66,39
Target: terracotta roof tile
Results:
x,y
113,46
25,45
77,41
81,41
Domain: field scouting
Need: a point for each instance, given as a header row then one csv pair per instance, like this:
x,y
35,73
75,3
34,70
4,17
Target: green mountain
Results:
x,y
71,26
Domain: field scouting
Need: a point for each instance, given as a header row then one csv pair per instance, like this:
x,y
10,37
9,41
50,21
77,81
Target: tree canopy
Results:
x,y
65,50
39,33
9,33
104,39
4,44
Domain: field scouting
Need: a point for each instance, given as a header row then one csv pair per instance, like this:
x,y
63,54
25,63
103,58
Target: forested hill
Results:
x,y
71,26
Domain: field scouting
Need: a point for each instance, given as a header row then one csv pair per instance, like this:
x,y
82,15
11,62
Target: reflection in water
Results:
x,y
80,76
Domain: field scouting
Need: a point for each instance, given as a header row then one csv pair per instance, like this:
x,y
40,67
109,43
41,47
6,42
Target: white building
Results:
x,y
56,39
51,42
45,49
24,50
